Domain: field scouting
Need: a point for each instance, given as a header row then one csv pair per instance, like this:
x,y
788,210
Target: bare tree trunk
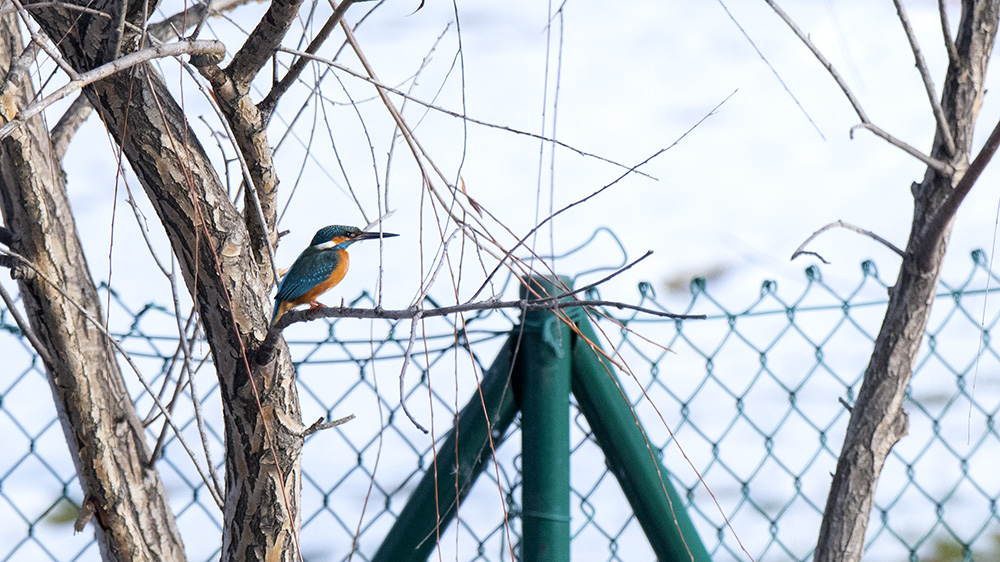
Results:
x,y
877,419
124,496
230,285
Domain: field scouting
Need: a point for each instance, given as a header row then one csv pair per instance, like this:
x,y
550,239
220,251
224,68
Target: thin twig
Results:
x,y
22,325
844,403
206,11
128,359
949,43
601,281
925,74
943,167
407,96
43,42
865,122
270,101
186,367
320,425
113,67
552,216
402,373
810,253
801,249
821,58
774,71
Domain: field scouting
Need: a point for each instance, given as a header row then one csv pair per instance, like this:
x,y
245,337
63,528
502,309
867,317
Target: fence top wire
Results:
x,y
751,394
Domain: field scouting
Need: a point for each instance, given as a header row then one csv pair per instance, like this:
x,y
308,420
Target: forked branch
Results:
x,y
801,250
866,123
936,227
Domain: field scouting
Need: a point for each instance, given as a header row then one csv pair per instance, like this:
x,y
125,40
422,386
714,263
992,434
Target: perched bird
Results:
x,y
318,268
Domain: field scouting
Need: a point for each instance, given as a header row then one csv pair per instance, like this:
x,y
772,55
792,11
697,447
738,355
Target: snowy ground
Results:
x,y
731,201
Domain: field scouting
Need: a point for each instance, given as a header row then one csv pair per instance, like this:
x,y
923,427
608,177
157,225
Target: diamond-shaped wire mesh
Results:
x,y
753,399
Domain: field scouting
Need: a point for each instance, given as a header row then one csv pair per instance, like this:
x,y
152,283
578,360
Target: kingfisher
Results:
x,y
319,267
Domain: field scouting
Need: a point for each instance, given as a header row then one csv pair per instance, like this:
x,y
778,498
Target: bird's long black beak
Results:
x,y
373,235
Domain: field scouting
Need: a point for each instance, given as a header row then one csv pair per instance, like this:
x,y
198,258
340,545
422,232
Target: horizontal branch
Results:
x,y
293,317
208,47
266,348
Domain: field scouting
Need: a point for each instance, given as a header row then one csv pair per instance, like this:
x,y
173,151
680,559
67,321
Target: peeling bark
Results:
x,y
230,285
124,496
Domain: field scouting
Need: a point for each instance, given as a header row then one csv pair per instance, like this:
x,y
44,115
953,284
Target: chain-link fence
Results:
x,y
756,398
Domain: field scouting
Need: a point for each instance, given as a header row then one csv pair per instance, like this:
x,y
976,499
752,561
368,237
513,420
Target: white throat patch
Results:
x,y
324,246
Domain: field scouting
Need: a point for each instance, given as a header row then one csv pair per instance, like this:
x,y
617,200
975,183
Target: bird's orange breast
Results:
x,y
335,277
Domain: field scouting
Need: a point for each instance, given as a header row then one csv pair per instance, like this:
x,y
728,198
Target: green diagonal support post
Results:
x,y
414,534
646,483
542,385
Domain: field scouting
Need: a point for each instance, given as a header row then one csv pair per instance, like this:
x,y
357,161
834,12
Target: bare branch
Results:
x,y
67,126
937,225
135,369
173,26
865,122
402,372
11,8
455,114
407,313
170,28
294,316
949,43
22,325
113,67
939,165
822,59
925,74
569,206
262,43
320,425
270,101
245,125
43,42
14,78
801,249
603,280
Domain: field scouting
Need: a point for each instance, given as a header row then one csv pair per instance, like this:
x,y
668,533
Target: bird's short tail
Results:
x,y
280,308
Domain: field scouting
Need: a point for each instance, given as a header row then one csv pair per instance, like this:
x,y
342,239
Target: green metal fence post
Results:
x,y
414,534
542,371
643,478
